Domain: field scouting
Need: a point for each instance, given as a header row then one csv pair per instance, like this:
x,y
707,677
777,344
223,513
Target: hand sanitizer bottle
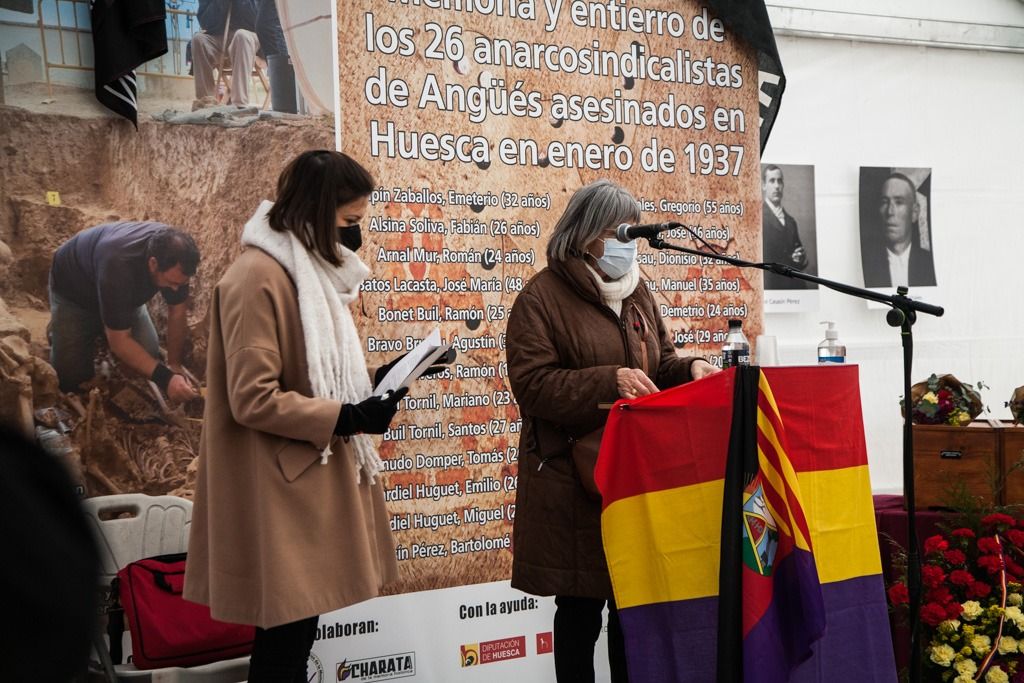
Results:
x,y
830,350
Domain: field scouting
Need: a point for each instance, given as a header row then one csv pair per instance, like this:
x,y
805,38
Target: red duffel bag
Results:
x,y
168,630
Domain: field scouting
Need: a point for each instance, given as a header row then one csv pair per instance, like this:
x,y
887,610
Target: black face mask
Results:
x,y
350,237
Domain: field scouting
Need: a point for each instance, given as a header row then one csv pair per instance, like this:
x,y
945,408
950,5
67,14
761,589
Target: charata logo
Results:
x,y
493,651
382,668
314,669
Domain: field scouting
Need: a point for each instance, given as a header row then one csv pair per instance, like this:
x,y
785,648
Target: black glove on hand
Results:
x,y
383,370
438,367
372,416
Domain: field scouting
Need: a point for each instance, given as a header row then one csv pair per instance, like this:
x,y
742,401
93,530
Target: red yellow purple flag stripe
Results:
x,y
662,474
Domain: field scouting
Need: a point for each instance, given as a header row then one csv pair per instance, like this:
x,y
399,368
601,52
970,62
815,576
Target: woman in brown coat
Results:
x,y
583,331
289,519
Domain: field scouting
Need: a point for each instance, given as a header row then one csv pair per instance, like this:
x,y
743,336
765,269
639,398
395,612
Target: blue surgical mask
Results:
x,y
618,258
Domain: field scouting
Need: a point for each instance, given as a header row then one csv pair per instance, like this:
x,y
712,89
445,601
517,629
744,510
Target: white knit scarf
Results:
x,y
337,367
613,292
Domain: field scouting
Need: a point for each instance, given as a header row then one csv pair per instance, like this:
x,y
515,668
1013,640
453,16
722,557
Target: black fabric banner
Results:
x,y
740,469
748,19
125,34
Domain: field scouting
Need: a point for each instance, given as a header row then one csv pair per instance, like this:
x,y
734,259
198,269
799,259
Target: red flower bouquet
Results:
x,y
971,578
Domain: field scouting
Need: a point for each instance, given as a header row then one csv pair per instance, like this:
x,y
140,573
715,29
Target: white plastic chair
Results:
x,y
133,526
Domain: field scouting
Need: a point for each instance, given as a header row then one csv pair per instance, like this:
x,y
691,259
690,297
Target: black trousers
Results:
x,y
577,627
279,654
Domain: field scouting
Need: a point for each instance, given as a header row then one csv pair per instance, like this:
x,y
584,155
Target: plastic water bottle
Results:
x,y
830,350
59,446
736,350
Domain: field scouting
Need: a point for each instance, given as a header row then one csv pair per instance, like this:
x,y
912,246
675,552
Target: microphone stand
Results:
x,y
902,314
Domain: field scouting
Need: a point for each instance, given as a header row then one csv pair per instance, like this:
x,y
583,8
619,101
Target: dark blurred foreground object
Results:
x,y
49,576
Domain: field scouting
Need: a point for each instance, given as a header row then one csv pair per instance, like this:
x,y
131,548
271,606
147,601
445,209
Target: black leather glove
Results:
x,y
372,416
438,367
383,370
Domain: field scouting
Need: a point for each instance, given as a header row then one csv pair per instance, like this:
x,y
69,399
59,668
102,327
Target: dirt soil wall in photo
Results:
x,y
204,179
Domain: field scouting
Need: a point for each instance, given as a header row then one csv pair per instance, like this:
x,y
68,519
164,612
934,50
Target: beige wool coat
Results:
x,y
276,536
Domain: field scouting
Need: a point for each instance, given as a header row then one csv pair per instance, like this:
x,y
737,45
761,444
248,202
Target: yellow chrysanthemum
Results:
x,y
1008,645
966,666
972,610
943,655
1015,615
996,675
981,645
949,627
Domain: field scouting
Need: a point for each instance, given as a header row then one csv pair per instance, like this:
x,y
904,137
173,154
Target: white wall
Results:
x,y
999,12
961,112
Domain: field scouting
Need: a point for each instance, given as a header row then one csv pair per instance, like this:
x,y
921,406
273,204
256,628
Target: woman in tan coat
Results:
x,y
583,331
289,519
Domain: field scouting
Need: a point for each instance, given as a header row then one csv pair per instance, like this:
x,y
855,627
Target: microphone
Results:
x,y
627,233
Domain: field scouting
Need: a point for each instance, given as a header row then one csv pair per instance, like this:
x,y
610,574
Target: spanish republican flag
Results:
x,y
740,534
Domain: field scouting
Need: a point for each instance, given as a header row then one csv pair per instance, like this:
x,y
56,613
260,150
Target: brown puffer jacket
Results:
x,y
563,347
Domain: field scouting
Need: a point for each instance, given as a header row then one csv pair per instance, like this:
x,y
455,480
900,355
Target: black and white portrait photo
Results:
x,y
788,228
789,236
895,236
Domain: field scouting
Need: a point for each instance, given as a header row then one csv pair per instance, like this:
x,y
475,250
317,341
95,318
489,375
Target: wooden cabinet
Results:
x,y
1011,445
944,456
988,458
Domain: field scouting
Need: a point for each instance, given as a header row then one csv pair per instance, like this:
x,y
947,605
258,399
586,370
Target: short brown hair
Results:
x,y
172,247
311,188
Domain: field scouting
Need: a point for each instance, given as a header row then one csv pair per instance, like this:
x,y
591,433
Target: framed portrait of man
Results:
x,y
789,235
896,245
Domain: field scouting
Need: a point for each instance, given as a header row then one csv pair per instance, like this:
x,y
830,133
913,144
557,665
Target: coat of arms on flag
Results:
x,y
760,534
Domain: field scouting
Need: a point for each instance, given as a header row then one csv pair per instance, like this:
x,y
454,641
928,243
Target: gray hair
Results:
x,y
590,210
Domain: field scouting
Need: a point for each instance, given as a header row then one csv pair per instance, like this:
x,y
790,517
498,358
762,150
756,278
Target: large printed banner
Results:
x,y
473,632
479,119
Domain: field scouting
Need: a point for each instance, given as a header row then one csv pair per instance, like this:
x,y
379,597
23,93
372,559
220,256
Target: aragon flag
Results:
x,y
739,531
770,600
